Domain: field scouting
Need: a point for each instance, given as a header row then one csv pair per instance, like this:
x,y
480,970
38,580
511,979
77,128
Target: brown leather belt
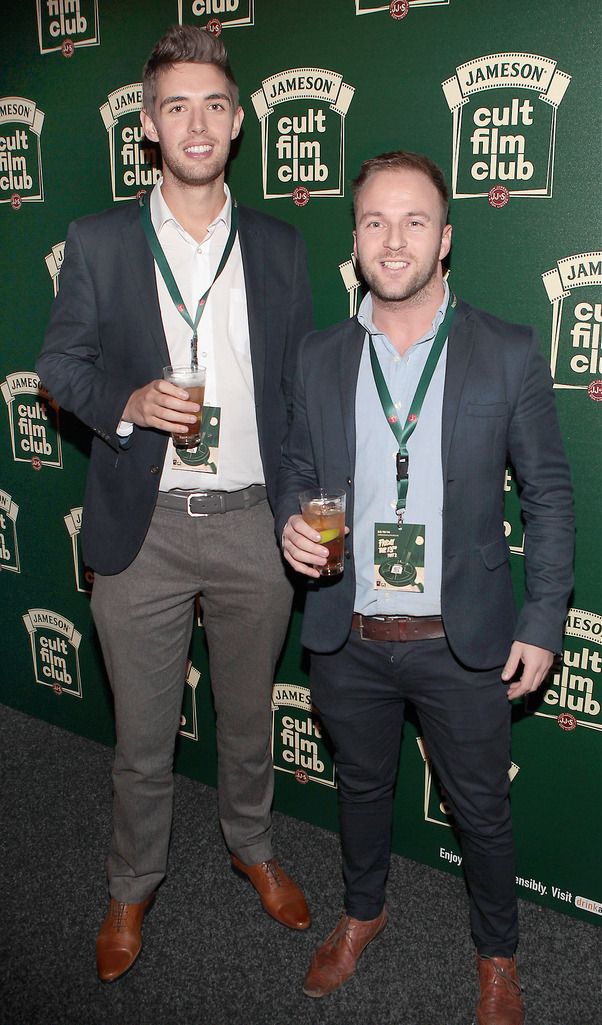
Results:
x,y
398,628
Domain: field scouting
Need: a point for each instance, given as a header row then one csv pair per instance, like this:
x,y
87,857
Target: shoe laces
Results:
x,y
272,871
505,979
119,912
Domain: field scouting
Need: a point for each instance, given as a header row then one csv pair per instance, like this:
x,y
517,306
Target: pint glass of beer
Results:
x,y
325,511
193,381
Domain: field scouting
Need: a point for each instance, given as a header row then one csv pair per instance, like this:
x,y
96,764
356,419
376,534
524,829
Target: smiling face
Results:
x,y
194,122
400,238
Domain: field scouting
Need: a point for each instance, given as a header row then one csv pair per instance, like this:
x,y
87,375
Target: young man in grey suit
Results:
x,y
413,408
161,524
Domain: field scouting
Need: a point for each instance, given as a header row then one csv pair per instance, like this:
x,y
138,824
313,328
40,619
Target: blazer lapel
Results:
x,y
351,346
252,246
142,267
459,349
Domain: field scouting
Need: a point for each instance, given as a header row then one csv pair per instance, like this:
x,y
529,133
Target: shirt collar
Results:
x,y
162,215
365,313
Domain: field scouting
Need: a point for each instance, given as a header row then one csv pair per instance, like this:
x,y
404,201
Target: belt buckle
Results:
x,y
194,494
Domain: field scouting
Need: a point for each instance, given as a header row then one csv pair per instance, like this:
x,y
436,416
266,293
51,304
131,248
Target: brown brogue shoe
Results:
x,y
119,940
280,896
501,1001
335,961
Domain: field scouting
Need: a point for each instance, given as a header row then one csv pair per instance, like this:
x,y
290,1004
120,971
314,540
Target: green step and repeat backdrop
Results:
x,y
506,97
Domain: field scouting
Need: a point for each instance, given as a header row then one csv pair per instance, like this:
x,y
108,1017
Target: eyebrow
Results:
x,y
411,213
211,96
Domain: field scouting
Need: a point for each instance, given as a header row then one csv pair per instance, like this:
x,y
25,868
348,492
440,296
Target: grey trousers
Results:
x,y
144,618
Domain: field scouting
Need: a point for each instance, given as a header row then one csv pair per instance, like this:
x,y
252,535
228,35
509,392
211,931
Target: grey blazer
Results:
x,y
498,405
105,339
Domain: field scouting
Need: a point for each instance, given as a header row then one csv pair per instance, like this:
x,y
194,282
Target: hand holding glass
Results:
x,y
324,510
192,379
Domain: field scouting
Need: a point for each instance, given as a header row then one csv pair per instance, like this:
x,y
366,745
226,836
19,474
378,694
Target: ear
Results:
x,y
149,126
446,239
237,123
355,244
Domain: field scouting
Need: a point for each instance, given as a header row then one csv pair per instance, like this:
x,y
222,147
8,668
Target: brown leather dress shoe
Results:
x,y
280,896
501,1001
119,940
335,961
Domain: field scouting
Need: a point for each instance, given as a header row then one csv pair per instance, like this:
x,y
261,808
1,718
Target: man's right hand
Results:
x,y
162,405
301,546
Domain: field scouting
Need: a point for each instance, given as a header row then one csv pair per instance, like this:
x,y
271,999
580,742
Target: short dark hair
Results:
x,y
403,160
184,44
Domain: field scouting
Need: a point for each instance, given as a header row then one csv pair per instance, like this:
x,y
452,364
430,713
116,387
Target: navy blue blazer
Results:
x,y
105,339
498,405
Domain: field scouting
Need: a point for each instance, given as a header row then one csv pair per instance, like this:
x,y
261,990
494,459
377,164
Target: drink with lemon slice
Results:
x,y
325,511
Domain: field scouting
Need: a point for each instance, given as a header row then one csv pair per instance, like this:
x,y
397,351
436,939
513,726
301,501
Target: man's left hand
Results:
x,y
536,663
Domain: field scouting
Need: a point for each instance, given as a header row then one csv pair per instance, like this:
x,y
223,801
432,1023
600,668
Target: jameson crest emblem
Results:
x,y
84,576
33,419
575,354
302,114
55,650
9,549
395,7
229,13
575,691
20,153
436,808
65,25
503,134
298,746
132,157
54,262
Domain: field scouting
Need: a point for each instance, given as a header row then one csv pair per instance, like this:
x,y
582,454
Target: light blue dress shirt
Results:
x,y
375,467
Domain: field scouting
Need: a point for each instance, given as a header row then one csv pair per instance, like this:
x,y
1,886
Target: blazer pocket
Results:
x,y
487,408
495,554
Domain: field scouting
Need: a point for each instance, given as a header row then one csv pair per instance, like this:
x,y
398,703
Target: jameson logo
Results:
x,y
20,155
575,355
370,7
9,549
302,114
54,262
574,697
504,124
189,726
54,647
352,284
133,158
297,743
84,576
436,806
33,419
75,21
230,13
513,523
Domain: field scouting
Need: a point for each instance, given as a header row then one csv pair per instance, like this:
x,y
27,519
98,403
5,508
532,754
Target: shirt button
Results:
x,y
349,482
155,469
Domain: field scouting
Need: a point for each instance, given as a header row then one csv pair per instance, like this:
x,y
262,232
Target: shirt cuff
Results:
x,y
124,429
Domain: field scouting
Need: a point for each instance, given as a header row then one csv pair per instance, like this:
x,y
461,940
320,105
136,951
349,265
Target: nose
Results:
x,y
197,121
395,238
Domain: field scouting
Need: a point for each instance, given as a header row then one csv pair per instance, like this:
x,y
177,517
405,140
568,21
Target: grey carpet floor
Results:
x,y
211,956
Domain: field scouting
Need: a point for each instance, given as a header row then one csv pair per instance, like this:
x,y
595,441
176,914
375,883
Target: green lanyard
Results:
x,y
402,434
170,281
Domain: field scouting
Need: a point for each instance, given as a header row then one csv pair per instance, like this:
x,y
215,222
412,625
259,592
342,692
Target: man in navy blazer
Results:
x,y
424,610
163,523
